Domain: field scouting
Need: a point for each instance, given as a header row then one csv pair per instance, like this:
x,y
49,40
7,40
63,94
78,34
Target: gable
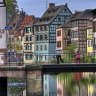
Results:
x,y
62,16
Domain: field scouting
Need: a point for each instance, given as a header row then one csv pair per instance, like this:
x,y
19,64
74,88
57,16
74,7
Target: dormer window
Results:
x,y
28,30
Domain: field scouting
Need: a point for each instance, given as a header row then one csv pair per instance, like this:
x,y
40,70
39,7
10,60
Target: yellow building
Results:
x,y
89,40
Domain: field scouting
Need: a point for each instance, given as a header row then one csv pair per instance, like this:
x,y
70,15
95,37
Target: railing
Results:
x,y
19,59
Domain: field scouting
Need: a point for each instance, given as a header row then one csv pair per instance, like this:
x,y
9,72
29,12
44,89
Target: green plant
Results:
x,y
93,59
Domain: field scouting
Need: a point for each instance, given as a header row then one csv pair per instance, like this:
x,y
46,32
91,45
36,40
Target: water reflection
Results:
x,y
16,86
70,84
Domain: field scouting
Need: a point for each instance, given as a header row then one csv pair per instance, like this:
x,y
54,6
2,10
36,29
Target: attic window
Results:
x,y
65,10
59,19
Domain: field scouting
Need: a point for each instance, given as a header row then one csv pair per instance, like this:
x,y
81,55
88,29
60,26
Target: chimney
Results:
x,y
66,4
51,5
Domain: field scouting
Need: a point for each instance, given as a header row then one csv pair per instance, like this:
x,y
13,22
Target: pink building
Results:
x,y
63,36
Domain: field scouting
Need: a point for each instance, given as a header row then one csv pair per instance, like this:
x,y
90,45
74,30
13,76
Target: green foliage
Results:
x,y
88,59
69,55
71,48
11,7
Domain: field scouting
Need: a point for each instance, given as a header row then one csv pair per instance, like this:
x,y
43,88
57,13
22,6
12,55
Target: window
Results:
x,y
45,37
59,18
36,28
28,56
40,47
30,38
26,38
41,57
58,43
90,43
59,33
41,37
37,37
45,48
31,56
28,46
28,30
37,48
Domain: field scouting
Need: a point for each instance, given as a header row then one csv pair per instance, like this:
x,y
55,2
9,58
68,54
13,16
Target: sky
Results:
x,y
38,7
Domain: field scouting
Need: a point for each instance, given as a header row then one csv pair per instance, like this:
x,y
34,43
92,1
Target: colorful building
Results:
x,y
45,30
89,40
29,40
79,22
63,36
3,42
94,30
76,33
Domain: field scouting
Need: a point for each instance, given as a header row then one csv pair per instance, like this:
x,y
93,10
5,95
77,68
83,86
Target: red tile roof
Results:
x,y
26,21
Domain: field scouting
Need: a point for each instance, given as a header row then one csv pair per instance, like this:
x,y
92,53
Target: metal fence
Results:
x,y
19,59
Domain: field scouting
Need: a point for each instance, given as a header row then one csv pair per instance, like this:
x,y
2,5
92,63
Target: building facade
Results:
x,y
45,30
89,40
79,22
63,36
29,40
3,35
94,30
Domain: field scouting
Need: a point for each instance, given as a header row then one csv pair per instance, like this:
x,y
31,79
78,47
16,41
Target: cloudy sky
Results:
x,y
38,7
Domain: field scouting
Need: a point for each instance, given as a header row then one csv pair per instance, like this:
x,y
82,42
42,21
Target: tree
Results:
x,y
68,58
11,6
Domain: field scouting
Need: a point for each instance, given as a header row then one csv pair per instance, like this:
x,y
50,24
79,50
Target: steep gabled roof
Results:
x,y
51,14
78,15
87,14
